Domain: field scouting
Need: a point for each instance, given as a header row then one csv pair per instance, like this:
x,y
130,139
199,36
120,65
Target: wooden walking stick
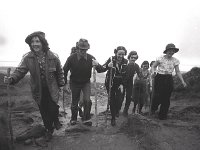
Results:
x,y
109,94
95,90
63,98
11,145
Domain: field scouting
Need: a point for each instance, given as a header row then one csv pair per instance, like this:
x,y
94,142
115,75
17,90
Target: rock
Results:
x,y
35,132
77,128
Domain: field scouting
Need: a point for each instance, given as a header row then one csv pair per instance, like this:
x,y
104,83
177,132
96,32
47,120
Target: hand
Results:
x,y
121,88
94,62
66,88
184,84
110,64
7,80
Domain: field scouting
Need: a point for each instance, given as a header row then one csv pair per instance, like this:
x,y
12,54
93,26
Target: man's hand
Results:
x,y
94,62
66,88
184,84
121,88
7,80
110,64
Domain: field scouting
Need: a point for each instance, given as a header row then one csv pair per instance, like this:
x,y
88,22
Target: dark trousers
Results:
x,y
129,92
76,89
116,99
163,87
49,109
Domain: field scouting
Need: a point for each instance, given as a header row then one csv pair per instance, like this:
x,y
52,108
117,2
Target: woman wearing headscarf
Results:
x,y
163,81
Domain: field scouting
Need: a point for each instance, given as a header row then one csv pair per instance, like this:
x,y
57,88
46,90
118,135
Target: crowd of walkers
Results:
x,y
148,85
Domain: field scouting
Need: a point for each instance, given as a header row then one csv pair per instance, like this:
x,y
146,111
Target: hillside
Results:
x,y
181,131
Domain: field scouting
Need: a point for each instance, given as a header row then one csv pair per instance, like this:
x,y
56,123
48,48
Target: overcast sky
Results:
x,y
145,26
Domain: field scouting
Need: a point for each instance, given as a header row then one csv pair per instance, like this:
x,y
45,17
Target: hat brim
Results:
x,y
175,50
84,48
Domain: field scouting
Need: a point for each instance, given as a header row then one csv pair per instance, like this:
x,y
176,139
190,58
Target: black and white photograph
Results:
x,y
99,75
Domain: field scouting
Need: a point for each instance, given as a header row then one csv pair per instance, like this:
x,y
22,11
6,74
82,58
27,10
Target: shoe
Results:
x,y
87,122
117,114
125,113
57,125
73,122
48,135
113,122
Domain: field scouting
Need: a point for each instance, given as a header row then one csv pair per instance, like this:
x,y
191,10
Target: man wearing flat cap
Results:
x,y
80,65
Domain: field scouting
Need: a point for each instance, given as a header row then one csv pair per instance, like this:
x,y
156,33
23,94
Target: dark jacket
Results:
x,y
131,69
118,72
54,74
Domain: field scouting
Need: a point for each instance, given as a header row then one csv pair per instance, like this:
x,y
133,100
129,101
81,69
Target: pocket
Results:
x,y
51,72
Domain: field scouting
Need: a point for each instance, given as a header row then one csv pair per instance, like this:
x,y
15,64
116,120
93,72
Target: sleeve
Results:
x,y
126,76
20,71
66,69
158,59
60,74
138,71
176,62
104,67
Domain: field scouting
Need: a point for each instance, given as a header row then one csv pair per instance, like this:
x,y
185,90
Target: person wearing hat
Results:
x,y
131,70
117,65
81,101
80,65
46,78
163,80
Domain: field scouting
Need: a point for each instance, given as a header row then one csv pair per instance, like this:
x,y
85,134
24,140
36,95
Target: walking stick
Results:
x,y
95,89
9,113
64,104
109,95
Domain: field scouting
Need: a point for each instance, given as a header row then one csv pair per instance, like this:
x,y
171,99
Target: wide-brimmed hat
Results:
x,y
169,47
40,34
120,48
83,44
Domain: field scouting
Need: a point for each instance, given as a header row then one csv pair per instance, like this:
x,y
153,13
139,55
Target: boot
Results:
x,y
113,122
74,111
48,135
125,112
57,124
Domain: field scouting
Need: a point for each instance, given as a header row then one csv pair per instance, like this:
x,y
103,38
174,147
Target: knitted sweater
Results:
x,y
80,68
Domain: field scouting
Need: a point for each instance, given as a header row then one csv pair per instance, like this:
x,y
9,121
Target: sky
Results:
x,y
145,26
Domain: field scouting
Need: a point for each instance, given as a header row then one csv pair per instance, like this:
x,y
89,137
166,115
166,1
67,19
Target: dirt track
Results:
x,y
132,132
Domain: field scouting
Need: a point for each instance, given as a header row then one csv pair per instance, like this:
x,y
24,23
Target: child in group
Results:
x,y
141,88
131,70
